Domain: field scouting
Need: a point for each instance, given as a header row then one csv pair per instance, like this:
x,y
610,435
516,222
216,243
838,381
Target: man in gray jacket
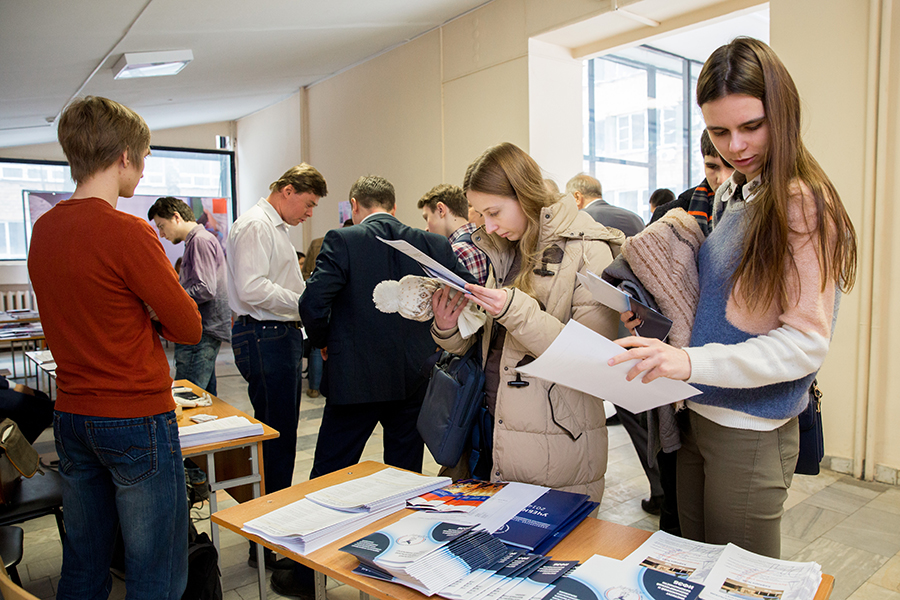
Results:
x,y
203,276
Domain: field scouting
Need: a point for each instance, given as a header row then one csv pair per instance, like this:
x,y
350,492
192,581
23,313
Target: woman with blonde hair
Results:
x,y
771,272
536,241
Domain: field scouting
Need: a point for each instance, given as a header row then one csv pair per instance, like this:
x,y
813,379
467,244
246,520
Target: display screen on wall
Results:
x,y
192,175
212,213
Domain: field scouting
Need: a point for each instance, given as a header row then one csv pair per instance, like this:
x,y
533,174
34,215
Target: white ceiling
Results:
x,y
247,55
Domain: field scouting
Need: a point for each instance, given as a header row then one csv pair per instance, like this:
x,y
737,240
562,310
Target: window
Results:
x,y
642,128
186,174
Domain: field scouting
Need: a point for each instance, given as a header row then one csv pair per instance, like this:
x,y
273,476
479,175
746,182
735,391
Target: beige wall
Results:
x,y
381,118
850,125
556,118
267,144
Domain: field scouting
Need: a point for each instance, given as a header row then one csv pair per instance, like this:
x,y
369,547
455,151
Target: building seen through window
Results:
x,y
641,125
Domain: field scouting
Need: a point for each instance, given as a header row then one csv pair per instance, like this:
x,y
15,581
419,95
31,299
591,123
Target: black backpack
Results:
x,y
204,580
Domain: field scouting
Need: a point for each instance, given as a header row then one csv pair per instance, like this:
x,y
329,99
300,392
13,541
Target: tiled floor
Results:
x,y
852,528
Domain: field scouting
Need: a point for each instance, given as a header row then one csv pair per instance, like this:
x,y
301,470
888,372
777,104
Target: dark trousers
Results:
x,y
33,414
637,431
346,428
268,354
668,512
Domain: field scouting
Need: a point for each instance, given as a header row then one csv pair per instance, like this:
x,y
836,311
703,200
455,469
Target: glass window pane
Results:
x,y
646,126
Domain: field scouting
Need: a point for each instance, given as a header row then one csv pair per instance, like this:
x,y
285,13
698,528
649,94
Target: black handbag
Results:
x,y
812,441
454,397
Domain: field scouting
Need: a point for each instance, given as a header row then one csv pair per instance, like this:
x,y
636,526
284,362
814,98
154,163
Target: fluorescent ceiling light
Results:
x,y
151,64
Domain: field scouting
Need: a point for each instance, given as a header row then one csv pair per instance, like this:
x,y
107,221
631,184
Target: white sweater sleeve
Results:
x,y
783,354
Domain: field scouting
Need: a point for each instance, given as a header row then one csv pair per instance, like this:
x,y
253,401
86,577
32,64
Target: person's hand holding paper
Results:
x,y
580,358
492,300
655,358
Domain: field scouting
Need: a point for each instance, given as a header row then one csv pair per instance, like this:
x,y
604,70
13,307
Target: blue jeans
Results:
x,y
314,366
127,471
269,356
197,363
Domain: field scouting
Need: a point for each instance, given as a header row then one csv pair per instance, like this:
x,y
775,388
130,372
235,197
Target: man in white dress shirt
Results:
x,y
264,287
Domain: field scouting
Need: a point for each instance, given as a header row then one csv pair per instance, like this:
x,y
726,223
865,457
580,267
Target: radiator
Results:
x,y
17,299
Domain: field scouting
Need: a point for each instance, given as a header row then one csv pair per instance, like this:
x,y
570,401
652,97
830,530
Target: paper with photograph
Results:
x,y
679,556
743,575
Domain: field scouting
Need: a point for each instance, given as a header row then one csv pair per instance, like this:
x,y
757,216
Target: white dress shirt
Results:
x,y
264,276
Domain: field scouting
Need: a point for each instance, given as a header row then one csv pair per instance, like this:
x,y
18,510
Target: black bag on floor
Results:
x,y
812,440
204,580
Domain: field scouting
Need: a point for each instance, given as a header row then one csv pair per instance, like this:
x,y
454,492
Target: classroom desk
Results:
x,y
31,336
19,316
232,465
44,366
593,536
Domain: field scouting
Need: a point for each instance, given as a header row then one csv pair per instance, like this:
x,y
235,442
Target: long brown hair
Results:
x,y
748,66
506,170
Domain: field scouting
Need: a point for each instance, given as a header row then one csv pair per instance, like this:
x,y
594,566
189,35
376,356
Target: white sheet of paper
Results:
x,y
604,293
577,359
431,266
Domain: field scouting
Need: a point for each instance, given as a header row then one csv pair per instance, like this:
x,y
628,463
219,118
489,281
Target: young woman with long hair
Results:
x,y
536,241
771,272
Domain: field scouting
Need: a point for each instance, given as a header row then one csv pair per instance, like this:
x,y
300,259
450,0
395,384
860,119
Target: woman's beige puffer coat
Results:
x,y
546,434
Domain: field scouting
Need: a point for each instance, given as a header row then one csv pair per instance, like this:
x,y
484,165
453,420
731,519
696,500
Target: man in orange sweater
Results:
x,y
106,293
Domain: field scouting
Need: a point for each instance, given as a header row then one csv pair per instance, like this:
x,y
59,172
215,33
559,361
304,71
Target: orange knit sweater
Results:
x,y
93,268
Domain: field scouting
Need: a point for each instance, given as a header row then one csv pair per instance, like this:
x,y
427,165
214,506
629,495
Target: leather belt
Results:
x,y
248,320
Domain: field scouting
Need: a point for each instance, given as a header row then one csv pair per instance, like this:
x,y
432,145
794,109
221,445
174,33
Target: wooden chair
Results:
x,y
11,549
10,591
32,498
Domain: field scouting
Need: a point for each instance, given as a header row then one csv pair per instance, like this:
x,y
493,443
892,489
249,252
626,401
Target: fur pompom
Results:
x,y
387,296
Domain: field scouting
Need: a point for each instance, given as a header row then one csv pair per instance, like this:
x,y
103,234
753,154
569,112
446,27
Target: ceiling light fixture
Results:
x,y
151,64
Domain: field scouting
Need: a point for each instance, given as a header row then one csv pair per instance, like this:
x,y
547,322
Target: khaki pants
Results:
x,y
732,483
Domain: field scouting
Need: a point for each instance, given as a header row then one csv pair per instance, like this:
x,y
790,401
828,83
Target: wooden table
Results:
x,y
231,465
593,536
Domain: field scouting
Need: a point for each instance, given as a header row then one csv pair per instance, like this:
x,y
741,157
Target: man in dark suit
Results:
x,y
375,368
589,197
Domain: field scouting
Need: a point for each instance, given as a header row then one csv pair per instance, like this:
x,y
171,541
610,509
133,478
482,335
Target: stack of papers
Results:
x,y
424,552
305,526
334,512
728,572
516,576
544,522
229,428
386,488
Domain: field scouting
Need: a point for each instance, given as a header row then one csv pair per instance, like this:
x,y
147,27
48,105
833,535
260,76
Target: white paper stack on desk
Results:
x,y
388,487
220,430
331,513
728,571
305,526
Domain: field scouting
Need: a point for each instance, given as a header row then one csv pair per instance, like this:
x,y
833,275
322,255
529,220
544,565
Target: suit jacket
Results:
x,y
609,215
372,356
